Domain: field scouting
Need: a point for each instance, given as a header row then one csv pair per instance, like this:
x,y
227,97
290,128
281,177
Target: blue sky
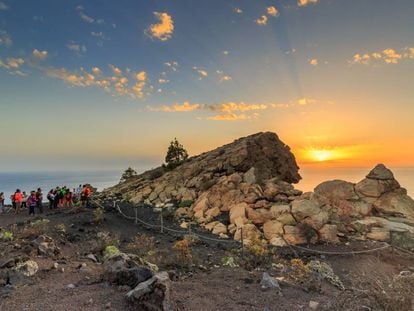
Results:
x,y
104,84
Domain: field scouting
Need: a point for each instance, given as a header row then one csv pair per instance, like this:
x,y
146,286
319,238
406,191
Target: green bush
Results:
x,y
110,251
6,236
186,203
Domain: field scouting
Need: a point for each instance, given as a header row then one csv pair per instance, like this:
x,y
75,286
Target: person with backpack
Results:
x,y
85,196
51,198
18,199
3,209
32,202
69,199
13,201
24,196
39,197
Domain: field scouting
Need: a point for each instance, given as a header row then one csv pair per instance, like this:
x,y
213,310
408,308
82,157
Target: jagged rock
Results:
x,y
395,204
27,268
293,235
379,234
337,190
250,233
219,229
269,282
374,188
329,233
282,214
380,172
310,213
272,229
238,212
153,294
258,216
46,246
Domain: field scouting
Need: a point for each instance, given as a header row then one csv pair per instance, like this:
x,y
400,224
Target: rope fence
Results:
x,y
164,229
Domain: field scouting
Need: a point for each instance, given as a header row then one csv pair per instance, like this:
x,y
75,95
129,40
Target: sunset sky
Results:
x,y
106,84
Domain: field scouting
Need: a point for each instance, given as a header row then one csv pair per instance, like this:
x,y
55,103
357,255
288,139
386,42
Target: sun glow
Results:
x,y
324,154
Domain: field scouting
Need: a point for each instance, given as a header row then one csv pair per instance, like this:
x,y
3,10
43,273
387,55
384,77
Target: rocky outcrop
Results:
x,y
244,190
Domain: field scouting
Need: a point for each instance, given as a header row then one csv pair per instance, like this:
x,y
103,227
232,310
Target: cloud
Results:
x,y
202,73
15,63
306,2
5,38
115,70
262,20
78,49
162,30
173,66
115,83
229,117
226,53
83,15
39,55
272,11
3,6
141,76
184,107
229,111
313,62
238,10
387,56
163,81
222,76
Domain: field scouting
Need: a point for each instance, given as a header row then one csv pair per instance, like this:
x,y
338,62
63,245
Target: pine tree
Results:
x,y
176,154
128,173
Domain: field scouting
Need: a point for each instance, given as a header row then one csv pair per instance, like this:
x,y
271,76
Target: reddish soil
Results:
x,y
202,283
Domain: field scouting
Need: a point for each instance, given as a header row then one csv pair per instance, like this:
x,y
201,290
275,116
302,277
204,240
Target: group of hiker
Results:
x,y
59,197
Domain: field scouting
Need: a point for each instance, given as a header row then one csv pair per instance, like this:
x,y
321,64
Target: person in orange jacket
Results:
x,y
18,199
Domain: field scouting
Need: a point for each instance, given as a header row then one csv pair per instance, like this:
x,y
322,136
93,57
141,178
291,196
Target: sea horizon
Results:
x,y
101,179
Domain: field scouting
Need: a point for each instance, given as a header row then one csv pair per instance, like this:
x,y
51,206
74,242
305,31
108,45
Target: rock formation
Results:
x,y
244,189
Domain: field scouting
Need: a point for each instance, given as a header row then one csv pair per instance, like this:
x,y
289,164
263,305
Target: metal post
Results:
x,y
136,215
162,223
114,204
242,241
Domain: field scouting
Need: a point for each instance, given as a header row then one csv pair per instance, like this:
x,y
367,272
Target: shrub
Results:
x,y
61,228
7,236
110,251
183,250
186,203
298,270
176,155
98,216
142,245
256,254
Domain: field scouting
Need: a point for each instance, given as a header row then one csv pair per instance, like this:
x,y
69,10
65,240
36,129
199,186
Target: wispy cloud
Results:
x,y
39,55
3,6
173,66
202,73
86,18
306,2
314,62
387,56
238,10
163,29
223,77
5,39
262,20
78,49
230,111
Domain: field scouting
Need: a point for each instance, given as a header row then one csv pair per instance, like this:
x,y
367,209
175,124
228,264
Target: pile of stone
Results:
x,y
244,190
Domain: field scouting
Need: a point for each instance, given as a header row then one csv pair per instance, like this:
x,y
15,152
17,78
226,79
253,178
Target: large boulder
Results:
x,y
337,190
395,204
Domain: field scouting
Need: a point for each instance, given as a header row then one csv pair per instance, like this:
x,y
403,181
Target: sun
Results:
x,y
322,155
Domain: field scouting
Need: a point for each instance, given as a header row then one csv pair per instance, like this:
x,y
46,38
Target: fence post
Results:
x,y
162,222
189,229
114,204
242,241
136,214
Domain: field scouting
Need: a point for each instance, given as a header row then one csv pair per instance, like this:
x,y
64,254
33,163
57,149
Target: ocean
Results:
x,y
311,177
9,182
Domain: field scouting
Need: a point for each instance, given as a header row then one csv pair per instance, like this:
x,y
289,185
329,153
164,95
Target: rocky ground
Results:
x,y
60,261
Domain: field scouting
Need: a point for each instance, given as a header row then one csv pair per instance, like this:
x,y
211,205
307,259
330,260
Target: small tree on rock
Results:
x,y
176,154
128,173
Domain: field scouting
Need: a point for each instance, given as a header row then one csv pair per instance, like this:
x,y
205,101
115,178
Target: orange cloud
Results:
x,y
162,30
